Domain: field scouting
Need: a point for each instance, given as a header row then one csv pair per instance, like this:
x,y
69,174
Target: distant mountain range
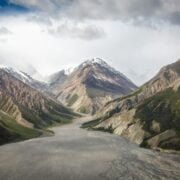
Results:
x,y
89,86
150,116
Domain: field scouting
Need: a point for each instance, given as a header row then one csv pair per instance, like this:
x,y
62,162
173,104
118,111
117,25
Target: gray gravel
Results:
x,y
78,154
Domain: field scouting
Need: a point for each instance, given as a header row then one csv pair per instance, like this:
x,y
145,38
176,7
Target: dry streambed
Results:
x,y
74,153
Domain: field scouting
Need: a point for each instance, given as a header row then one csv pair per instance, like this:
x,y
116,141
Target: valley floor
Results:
x,y
78,154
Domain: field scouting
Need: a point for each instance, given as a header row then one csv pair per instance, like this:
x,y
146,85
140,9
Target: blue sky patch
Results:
x,y
8,7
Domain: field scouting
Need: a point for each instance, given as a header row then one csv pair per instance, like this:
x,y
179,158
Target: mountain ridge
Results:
x,y
24,77
148,116
25,112
97,83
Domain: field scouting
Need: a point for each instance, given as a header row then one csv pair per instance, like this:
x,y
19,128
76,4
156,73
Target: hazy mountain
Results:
x,y
150,116
89,86
24,77
24,111
56,79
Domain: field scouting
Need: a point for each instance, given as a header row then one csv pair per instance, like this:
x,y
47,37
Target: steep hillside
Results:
x,y
11,130
149,116
90,86
24,111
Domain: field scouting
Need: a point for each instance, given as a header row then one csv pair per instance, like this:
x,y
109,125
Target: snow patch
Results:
x,y
103,64
3,66
69,71
16,73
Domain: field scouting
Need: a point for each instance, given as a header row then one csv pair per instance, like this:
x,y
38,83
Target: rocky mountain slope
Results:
x,y
24,111
25,78
150,116
90,85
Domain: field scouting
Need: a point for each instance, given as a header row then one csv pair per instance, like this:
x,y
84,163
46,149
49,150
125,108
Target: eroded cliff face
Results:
x,y
9,107
150,116
20,92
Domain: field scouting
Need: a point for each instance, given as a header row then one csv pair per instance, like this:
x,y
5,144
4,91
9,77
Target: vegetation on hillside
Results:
x,y
11,131
41,116
163,108
71,100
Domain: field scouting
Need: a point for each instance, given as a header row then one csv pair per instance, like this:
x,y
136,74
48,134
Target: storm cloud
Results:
x,y
78,30
152,11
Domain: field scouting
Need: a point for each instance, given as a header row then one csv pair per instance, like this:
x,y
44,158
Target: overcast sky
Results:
x,y
137,37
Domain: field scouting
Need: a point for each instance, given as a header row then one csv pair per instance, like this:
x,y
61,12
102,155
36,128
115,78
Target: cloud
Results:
x,y
22,66
78,30
117,24
152,11
3,40
175,18
45,5
40,19
3,34
4,31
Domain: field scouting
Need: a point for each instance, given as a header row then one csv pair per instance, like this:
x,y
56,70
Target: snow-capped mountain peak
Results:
x,y
94,80
98,61
103,64
16,73
3,66
94,61
25,78
68,71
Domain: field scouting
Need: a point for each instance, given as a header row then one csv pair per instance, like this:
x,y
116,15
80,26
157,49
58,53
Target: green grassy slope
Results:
x,y
163,108
54,114
20,101
10,131
71,100
50,114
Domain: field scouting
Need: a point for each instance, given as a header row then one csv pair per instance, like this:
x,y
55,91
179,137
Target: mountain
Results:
x,y
24,77
89,86
149,116
24,111
56,79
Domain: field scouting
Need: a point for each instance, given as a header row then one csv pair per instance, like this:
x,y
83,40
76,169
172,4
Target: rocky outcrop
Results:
x,y
150,116
169,139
